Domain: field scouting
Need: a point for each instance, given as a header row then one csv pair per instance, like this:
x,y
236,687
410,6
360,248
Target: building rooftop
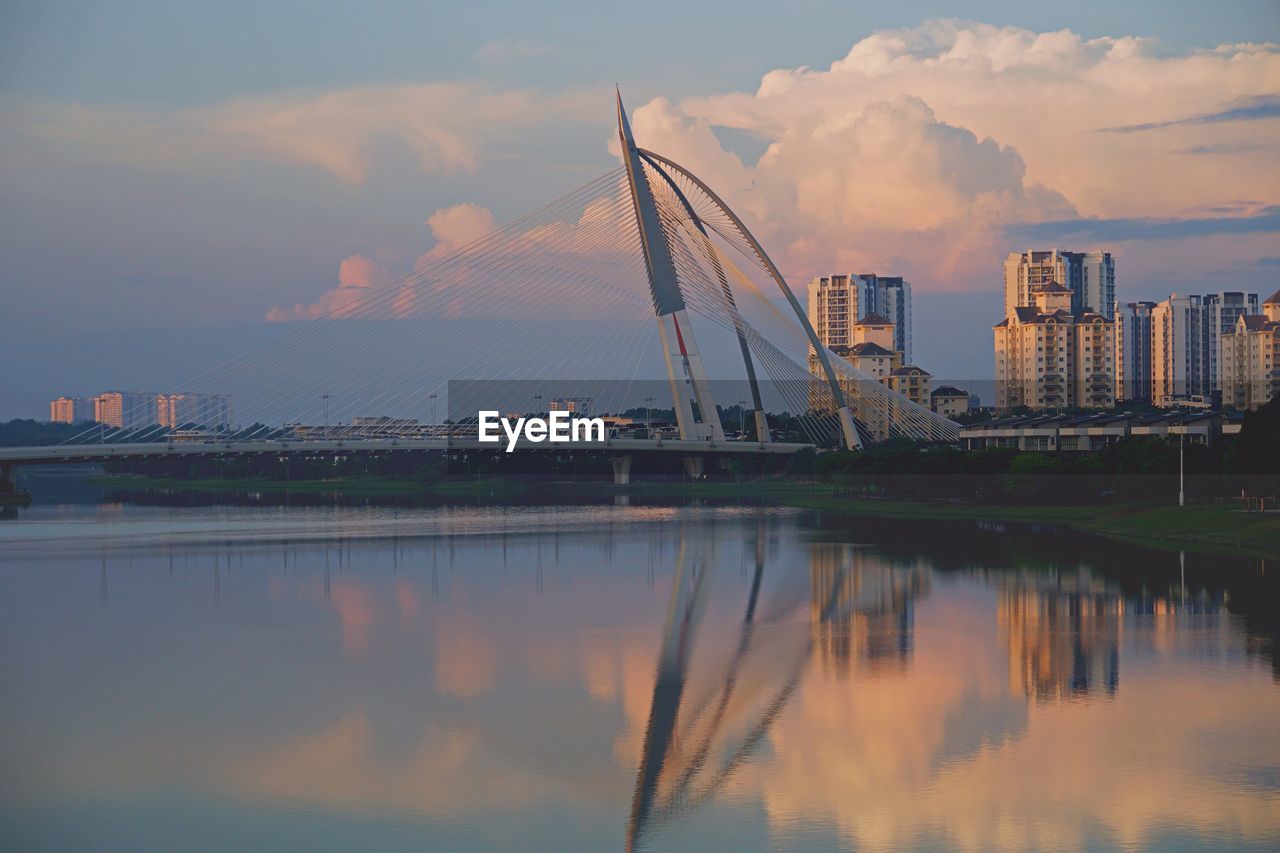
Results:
x,y
868,348
1053,287
909,369
1273,299
949,391
1258,322
1033,421
874,319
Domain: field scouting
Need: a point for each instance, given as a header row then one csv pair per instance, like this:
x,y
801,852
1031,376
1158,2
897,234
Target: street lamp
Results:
x,y
1182,490
648,416
742,417
325,398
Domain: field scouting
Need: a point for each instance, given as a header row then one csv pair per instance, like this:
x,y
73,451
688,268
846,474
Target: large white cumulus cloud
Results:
x,y
914,151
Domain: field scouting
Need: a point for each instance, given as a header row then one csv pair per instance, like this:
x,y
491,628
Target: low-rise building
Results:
x,y
912,382
1093,432
949,401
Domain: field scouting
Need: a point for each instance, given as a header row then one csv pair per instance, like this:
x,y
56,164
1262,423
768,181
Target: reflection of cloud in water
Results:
x,y
485,705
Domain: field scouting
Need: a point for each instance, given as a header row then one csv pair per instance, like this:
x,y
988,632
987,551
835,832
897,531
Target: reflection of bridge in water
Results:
x,y
649,239
709,715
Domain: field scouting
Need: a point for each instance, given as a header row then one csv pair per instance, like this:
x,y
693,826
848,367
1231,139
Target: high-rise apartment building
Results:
x,y
1249,357
836,302
69,410
1098,283
1179,350
1133,351
125,409
1221,310
186,408
1049,357
1089,276
1170,350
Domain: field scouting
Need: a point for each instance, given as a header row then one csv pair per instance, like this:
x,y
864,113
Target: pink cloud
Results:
x,y
356,276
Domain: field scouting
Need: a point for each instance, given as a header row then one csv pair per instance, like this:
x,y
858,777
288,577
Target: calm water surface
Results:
x,y
598,677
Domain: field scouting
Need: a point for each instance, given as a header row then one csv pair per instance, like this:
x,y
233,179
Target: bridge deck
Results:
x,y
99,452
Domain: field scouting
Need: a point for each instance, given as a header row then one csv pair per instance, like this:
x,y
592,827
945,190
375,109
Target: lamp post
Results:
x,y
742,417
325,399
648,416
1182,490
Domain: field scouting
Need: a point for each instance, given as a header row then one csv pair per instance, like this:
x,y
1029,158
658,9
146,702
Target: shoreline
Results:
x,y
1214,527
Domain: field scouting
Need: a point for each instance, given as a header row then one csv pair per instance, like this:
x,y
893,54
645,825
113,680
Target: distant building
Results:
x,y
70,410
836,302
1049,357
1133,351
913,383
573,405
1095,431
186,408
1179,349
949,401
125,409
1221,310
871,358
1249,358
1090,277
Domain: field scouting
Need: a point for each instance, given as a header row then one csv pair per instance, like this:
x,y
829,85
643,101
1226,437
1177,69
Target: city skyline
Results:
x,y
802,149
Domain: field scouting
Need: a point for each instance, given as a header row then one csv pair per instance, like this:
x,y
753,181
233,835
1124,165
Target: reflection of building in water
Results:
x,y
876,606
1063,636
1063,630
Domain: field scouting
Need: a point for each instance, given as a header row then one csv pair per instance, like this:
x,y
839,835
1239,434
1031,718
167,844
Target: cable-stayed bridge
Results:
x,y
570,290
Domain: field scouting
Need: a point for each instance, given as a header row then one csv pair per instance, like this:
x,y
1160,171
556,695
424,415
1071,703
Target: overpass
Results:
x,y
620,451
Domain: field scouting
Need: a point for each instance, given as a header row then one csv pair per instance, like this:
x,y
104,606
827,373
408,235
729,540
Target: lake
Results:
x,y
207,675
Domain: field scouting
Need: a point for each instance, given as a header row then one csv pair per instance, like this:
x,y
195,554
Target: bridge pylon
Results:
x,y
688,378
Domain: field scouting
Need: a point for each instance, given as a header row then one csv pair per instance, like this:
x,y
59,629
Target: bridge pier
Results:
x,y
762,426
621,469
695,467
7,485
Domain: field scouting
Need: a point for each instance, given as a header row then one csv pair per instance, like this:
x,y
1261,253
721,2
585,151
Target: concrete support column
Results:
x,y
852,441
7,486
621,469
762,426
694,466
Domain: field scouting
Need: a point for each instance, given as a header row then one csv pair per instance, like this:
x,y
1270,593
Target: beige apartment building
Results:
x,y
1049,357
1249,358
67,410
949,401
914,383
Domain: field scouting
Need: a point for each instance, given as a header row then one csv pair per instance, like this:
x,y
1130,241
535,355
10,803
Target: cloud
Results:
x,y
505,50
448,128
887,185
1251,109
357,275
1229,148
455,227
1121,230
922,150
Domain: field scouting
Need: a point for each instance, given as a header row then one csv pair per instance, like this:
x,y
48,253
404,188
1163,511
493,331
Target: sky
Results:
x,y
178,181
